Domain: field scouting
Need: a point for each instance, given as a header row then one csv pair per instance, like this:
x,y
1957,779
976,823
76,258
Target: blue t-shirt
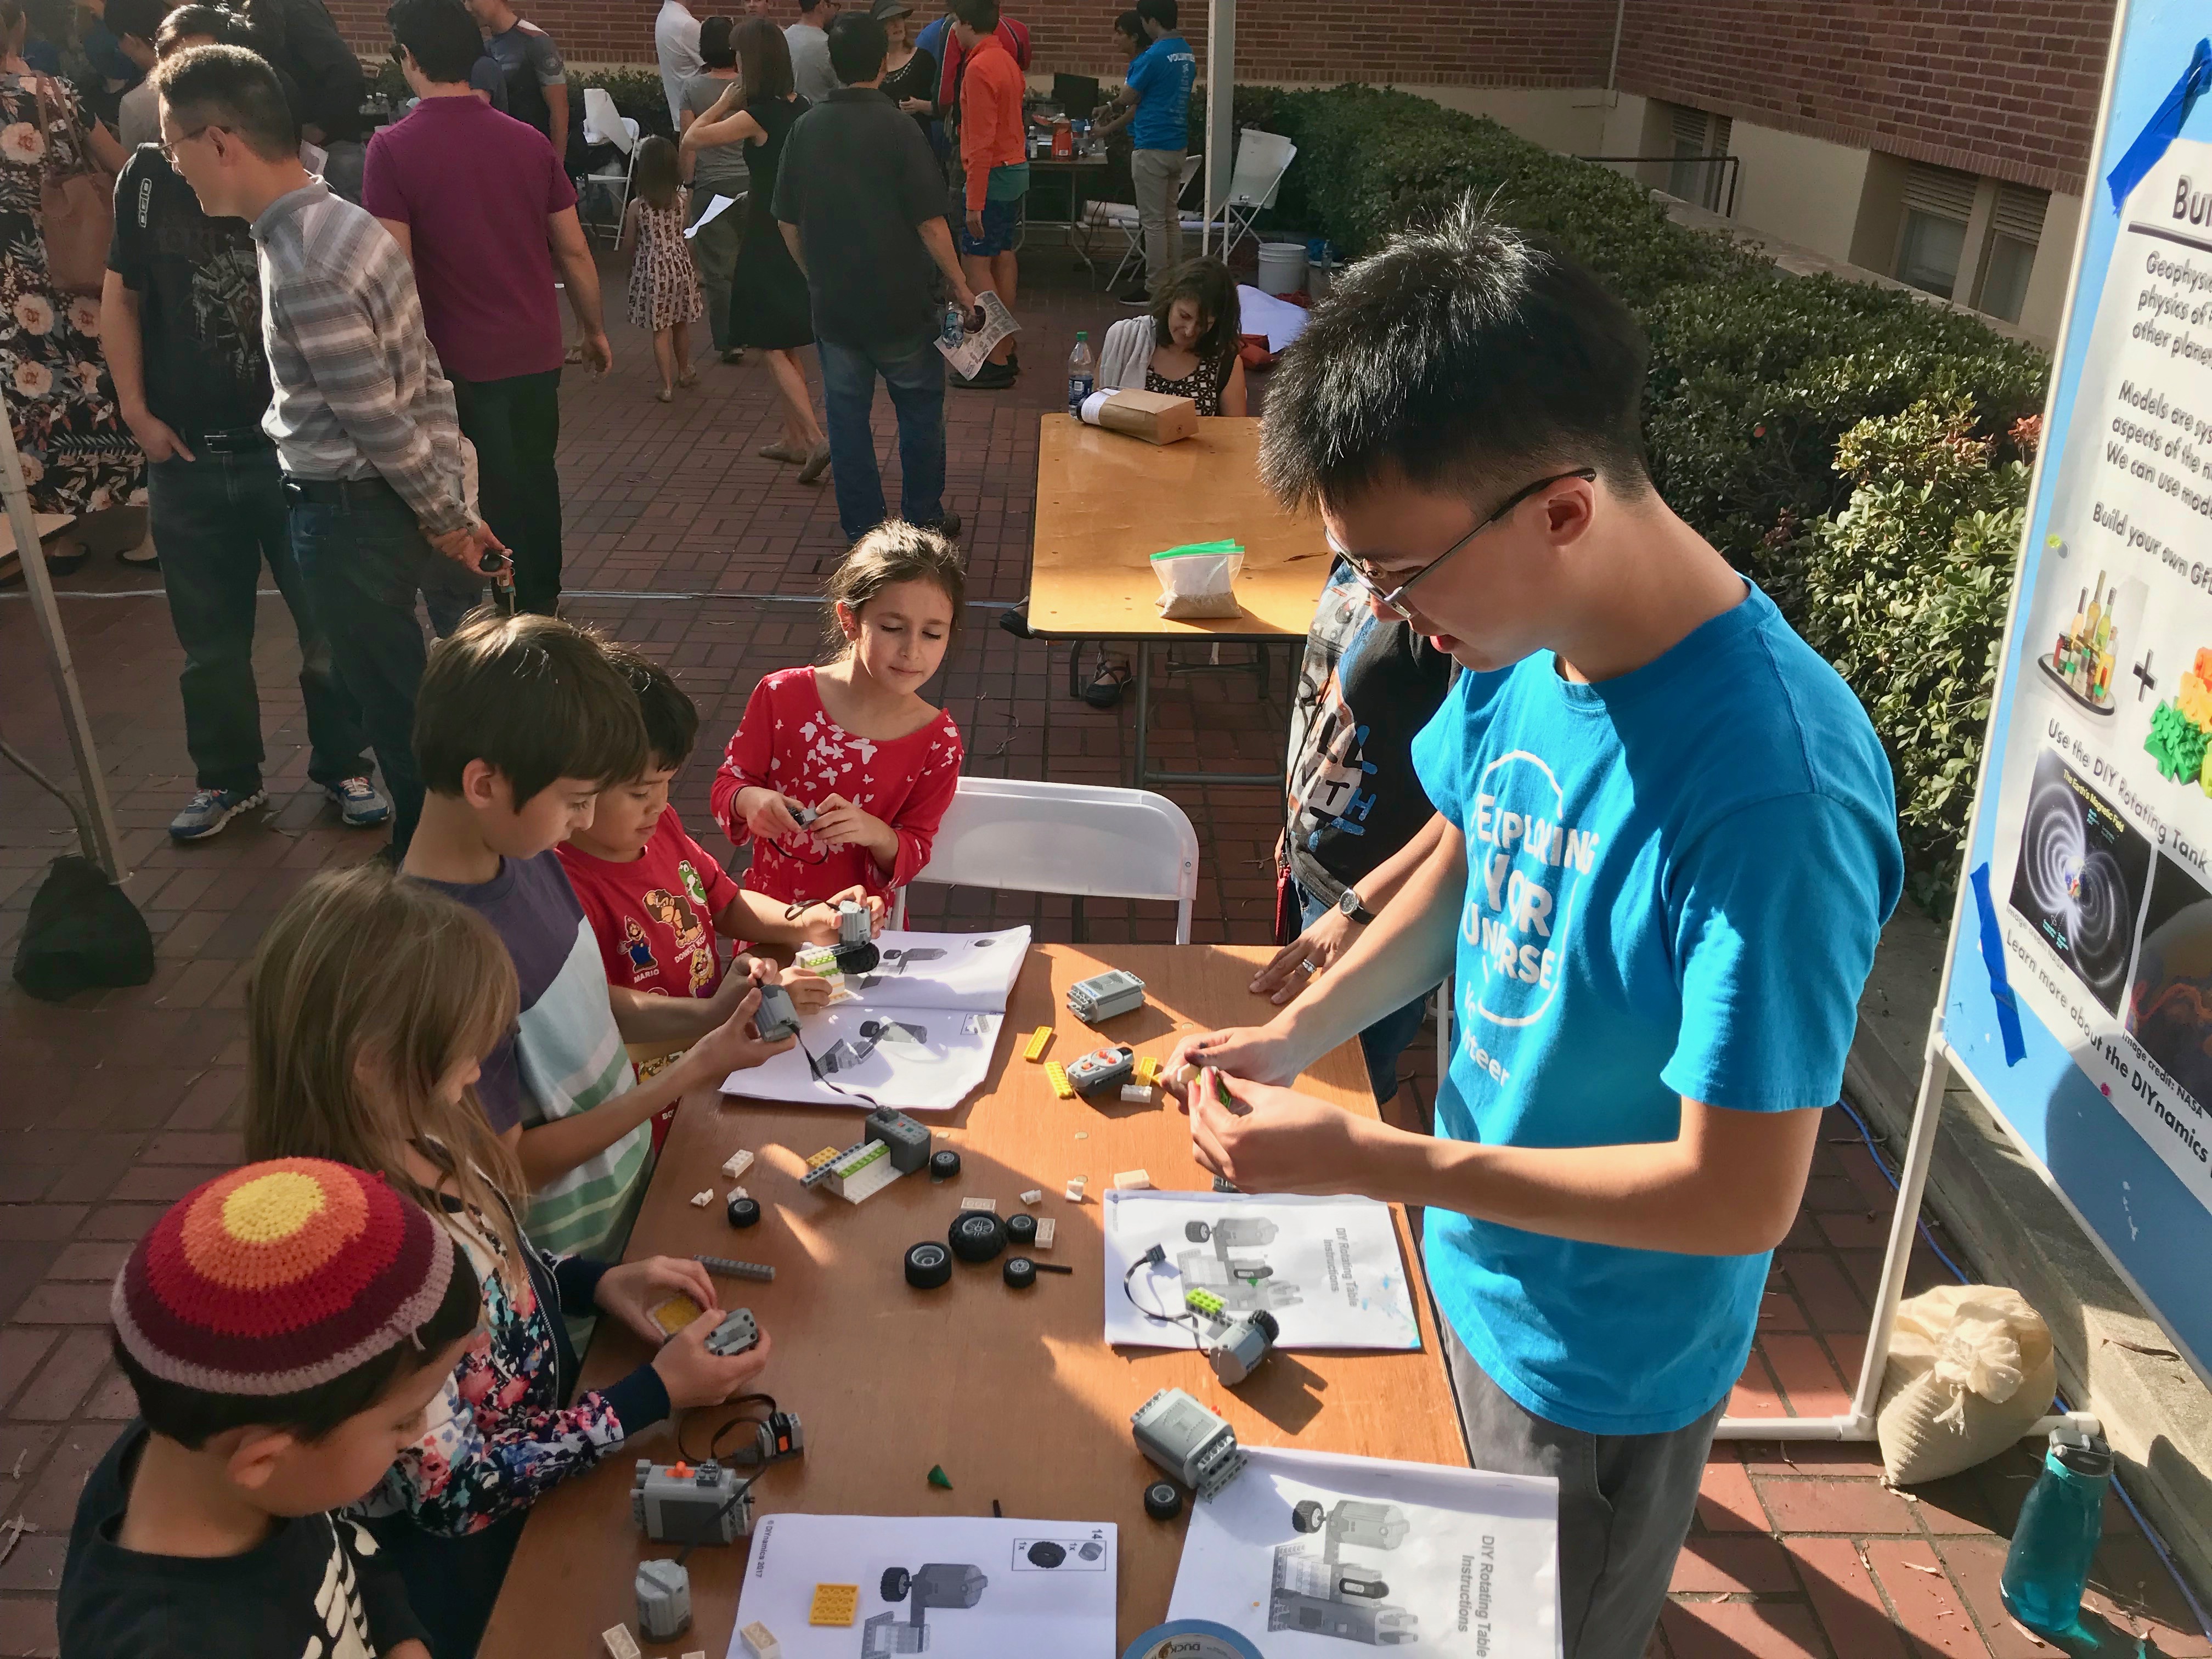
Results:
x,y
1675,881
1162,74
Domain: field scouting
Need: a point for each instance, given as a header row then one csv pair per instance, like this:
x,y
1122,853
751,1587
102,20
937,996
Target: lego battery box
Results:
x,y
1154,416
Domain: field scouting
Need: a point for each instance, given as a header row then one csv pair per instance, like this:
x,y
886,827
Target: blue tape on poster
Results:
x,y
1993,958
2162,129
1191,1639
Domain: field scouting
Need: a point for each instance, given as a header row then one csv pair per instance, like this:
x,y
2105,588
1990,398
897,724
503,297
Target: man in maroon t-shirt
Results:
x,y
485,238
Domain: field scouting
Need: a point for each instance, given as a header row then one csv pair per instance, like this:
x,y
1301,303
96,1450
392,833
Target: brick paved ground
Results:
x,y
683,540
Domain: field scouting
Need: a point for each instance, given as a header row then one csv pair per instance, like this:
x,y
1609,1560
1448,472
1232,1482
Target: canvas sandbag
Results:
x,y
1970,1369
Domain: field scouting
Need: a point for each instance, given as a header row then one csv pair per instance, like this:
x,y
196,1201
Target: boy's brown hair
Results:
x,y
533,697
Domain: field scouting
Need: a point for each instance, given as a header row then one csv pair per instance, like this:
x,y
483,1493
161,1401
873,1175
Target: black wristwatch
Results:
x,y
1349,903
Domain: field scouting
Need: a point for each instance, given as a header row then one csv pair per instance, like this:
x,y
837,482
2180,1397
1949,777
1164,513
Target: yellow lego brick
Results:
x,y
1056,1074
1040,1040
1146,1071
827,1155
673,1314
835,1604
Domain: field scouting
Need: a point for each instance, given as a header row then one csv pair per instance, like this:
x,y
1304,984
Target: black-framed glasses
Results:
x,y
1392,599
169,151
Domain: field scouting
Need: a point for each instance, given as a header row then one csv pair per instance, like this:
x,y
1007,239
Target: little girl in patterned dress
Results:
x,y
664,284
853,738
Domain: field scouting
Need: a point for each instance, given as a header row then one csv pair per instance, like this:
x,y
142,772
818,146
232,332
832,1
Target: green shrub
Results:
x,y
637,93
1905,591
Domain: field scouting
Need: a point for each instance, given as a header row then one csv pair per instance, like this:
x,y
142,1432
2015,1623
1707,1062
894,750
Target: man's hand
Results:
x,y
765,813
467,547
965,297
598,356
1305,958
1260,1052
632,1289
733,1046
156,436
1269,1139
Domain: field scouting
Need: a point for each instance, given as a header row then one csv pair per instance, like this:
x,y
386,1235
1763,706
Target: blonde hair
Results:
x,y
894,551
366,970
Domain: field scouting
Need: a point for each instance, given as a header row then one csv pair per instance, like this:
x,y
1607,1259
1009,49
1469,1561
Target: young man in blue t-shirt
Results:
x,y
1155,106
1669,847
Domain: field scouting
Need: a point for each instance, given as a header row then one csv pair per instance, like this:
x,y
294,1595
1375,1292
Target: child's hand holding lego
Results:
x,y
808,990
766,813
841,824
628,1291
733,1045
820,920
695,1378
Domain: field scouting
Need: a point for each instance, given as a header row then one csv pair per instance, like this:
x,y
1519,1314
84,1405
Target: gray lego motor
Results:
x,y
688,1504
663,1600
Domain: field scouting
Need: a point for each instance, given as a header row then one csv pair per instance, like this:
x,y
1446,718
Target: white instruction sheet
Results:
x,y
971,971
919,1060
1327,1268
1314,1556
959,1587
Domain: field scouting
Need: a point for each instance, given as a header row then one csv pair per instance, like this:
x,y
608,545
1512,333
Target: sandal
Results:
x,y
664,396
782,451
688,379
1108,684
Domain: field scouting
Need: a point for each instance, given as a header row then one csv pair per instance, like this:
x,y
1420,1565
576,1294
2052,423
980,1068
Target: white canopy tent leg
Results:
x,y
1220,111
98,812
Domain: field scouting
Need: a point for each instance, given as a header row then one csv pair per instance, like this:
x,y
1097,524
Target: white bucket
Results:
x,y
1282,267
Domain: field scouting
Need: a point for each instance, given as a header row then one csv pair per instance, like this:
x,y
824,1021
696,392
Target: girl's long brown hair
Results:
x,y
364,970
894,551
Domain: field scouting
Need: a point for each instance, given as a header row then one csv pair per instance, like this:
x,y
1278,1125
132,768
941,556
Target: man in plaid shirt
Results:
x,y
381,483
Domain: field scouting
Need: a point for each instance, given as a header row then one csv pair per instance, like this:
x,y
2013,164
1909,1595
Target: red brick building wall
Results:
x,y
2006,88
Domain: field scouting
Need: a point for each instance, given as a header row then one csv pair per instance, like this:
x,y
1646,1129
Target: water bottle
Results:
x,y
2059,1526
952,329
1082,380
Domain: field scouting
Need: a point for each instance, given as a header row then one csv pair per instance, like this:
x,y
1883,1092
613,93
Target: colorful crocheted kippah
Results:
x,y
279,1276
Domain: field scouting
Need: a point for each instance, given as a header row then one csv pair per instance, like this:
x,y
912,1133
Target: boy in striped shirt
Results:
x,y
522,721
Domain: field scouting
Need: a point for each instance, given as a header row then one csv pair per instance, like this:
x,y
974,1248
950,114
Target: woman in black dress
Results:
x,y
909,72
768,307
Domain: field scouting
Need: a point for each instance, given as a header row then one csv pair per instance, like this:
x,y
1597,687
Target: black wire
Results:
x,y
735,1499
1188,1321
715,1439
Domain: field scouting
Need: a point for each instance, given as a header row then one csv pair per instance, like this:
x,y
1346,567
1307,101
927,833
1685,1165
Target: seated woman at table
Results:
x,y
372,1000
1186,347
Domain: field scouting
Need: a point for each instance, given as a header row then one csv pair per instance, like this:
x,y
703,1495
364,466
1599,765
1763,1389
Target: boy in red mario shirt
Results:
x,y
658,901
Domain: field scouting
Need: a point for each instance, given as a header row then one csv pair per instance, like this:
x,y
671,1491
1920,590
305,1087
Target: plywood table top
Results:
x,y
1106,503
1014,1393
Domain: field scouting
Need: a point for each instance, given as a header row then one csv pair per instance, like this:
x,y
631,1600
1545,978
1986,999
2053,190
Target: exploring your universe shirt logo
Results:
x,y
1530,865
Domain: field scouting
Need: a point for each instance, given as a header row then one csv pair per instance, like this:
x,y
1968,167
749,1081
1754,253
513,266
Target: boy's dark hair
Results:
x,y
534,697
857,46
192,1417
1207,284
190,22
763,60
140,18
441,34
1162,12
981,16
715,51
671,718
223,86
1131,24
1459,358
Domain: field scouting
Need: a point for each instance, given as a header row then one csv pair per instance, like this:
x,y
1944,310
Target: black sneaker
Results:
x,y
990,377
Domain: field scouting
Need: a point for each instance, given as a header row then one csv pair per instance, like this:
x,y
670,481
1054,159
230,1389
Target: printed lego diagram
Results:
x,y
1327,1269
2080,877
955,1587
1309,1555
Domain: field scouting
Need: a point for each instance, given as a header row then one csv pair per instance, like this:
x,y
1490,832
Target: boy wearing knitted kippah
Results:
x,y
285,1328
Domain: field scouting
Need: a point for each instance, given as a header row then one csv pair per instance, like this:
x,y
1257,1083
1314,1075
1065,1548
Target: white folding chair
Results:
x,y
1017,835
604,125
1262,159
1121,219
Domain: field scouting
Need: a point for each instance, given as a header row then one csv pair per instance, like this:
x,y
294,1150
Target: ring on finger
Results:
x,y
1308,966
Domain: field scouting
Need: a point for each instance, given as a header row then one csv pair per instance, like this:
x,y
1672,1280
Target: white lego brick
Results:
x,y
736,1164
620,1643
1133,1181
1046,1228
988,1206
1076,1188
737,1192
700,1200
1136,1094
760,1643
866,1181
1035,1194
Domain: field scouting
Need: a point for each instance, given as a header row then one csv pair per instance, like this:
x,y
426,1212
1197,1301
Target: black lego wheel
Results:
x,y
1019,1273
1163,1502
977,1235
944,1165
745,1212
928,1265
1021,1228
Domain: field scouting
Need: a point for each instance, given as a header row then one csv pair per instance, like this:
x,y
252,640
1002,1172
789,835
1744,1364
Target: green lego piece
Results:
x,y
1203,1302
939,1478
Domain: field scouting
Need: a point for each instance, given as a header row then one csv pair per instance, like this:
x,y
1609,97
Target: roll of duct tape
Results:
x,y
1191,1639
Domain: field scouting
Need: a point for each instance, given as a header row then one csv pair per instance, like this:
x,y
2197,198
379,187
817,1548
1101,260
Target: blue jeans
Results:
x,y
214,521
914,374
363,561
1388,1037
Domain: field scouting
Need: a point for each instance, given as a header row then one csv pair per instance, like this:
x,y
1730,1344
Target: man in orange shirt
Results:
x,y
995,161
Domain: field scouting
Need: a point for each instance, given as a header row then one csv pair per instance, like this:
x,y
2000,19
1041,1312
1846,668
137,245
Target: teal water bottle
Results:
x,y
2059,1526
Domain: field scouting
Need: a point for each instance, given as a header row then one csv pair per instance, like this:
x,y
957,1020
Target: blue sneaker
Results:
x,y
211,809
360,804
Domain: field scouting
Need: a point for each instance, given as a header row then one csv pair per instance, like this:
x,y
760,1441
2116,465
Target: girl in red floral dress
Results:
x,y
853,738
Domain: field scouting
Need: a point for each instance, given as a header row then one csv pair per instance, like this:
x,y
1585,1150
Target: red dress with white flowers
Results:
x,y
78,455
788,742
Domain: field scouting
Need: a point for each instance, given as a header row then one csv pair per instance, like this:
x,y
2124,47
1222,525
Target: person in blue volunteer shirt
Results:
x,y
1669,845
1155,106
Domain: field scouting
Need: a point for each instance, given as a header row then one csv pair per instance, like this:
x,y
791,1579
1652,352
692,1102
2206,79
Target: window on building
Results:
x,y
1939,205
1699,141
2015,233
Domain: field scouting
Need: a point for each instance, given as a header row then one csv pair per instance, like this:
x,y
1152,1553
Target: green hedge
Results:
x,y
1757,378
